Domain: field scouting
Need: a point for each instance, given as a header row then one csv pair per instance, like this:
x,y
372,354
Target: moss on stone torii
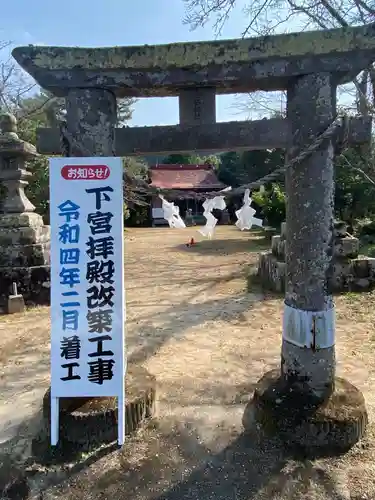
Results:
x,y
229,65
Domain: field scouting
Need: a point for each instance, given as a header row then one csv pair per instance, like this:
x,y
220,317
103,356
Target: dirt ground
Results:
x,y
192,323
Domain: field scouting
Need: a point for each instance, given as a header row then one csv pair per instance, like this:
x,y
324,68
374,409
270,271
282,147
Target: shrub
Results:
x,y
272,203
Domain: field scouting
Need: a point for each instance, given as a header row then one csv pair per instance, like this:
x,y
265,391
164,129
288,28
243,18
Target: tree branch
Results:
x,y
334,13
357,169
364,6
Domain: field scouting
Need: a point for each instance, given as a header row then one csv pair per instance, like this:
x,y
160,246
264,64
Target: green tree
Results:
x,y
354,193
192,159
136,167
32,115
257,164
241,168
44,110
136,213
177,159
272,203
228,168
213,160
53,108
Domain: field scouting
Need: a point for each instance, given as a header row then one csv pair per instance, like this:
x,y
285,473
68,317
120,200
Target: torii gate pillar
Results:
x,y
91,116
308,352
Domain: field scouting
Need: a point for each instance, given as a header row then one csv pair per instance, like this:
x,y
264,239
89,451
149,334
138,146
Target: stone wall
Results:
x,y
350,271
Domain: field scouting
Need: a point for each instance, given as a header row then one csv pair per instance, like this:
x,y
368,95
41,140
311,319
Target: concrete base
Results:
x,y
16,304
329,428
89,422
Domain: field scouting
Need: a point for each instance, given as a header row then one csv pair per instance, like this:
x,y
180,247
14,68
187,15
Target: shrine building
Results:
x,y
198,178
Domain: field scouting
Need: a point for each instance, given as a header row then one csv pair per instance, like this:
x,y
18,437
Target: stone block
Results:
x,y
337,283
280,276
282,251
341,275
275,244
271,272
269,232
339,229
15,304
279,408
89,422
10,236
283,230
360,268
25,255
349,272
361,284
33,283
346,247
371,267
26,219
341,267
278,247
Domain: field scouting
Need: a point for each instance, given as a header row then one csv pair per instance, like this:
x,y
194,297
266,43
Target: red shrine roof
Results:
x,y
171,176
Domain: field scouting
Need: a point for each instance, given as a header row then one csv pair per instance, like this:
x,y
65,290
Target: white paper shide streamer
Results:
x,y
245,215
210,204
172,214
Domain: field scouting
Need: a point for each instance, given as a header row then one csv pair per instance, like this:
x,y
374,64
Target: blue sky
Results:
x,y
117,22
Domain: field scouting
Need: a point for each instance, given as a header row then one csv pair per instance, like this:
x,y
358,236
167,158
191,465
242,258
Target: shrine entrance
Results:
x,y
309,66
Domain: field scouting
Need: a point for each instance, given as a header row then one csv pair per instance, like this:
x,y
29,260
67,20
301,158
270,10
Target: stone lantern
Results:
x,y
24,239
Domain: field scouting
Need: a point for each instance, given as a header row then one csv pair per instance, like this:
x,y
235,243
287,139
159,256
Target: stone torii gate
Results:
x,y
304,400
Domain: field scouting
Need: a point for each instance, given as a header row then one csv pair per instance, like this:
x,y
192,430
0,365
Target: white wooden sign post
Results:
x,y
87,283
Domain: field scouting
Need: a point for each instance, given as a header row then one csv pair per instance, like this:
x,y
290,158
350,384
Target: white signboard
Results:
x,y
87,282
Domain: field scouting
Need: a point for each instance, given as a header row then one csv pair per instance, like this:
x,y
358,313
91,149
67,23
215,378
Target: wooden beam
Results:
x,y
215,137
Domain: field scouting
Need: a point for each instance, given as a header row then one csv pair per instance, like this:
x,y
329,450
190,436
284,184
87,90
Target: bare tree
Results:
x,y
15,85
270,16
21,96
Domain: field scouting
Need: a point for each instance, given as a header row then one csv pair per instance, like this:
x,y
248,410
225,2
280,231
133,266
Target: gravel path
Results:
x,y
192,323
